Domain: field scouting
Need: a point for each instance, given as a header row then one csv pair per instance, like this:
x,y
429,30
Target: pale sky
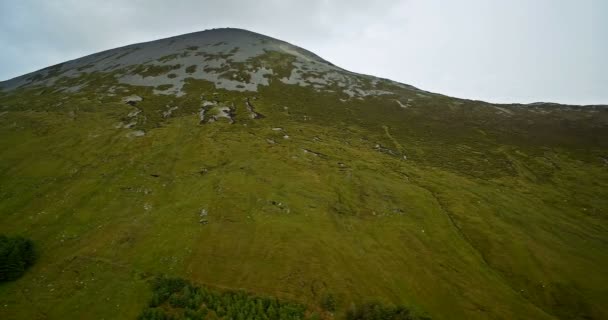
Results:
x,y
494,50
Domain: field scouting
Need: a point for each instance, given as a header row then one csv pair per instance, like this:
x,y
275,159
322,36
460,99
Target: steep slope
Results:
x,y
314,181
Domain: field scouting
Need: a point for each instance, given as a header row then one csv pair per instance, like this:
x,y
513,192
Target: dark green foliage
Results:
x,y
172,57
191,69
280,63
376,311
175,298
154,314
16,255
328,302
154,70
163,87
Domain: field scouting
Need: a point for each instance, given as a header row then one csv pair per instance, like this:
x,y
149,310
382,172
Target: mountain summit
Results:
x,y
236,161
232,59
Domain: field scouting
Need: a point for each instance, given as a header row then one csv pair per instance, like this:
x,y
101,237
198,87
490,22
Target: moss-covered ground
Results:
x,y
490,215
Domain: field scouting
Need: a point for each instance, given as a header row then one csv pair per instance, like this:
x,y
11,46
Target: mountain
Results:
x,y
241,162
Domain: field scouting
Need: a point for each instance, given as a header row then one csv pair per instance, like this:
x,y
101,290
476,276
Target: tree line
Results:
x,y
377,311
174,298
177,299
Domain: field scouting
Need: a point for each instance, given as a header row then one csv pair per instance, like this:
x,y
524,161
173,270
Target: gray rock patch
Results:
x,y
136,133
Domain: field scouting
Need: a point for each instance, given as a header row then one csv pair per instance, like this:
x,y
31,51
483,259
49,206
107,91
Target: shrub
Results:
x,y
175,298
16,255
376,311
328,302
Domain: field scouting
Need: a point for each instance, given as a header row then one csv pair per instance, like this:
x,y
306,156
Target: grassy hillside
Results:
x,y
456,209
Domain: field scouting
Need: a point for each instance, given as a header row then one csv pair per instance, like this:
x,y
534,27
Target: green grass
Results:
x,y
490,217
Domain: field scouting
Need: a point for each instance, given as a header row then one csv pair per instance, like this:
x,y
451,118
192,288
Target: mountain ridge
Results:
x,y
242,46
227,33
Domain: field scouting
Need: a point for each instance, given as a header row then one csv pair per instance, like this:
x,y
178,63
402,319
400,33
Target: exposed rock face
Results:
x,y
169,111
232,59
132,100
252,113
212,111
136,133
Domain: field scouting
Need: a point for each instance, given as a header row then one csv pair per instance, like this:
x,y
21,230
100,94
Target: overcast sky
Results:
x,y
493,50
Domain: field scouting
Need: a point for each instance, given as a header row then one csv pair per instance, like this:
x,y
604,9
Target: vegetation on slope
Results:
x,y
176,298
450,206
376,311
16,256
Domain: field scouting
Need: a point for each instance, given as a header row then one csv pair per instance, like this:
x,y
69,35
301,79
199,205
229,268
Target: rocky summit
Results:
x,y
231,59
226,174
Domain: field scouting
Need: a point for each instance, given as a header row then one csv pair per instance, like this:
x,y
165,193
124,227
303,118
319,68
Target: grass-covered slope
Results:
x,y
456,209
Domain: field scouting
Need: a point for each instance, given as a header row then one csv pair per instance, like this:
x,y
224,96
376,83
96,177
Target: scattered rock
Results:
x,y
281,206
221,112
134,113
167,113
136,133
252,113
203,216
201,115
271,141
228,113
207,103
130,125
404,106
398,211
213,111
314,153
383,149
132,99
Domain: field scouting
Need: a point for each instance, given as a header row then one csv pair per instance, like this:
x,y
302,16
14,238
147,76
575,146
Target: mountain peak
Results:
x,y
230,58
